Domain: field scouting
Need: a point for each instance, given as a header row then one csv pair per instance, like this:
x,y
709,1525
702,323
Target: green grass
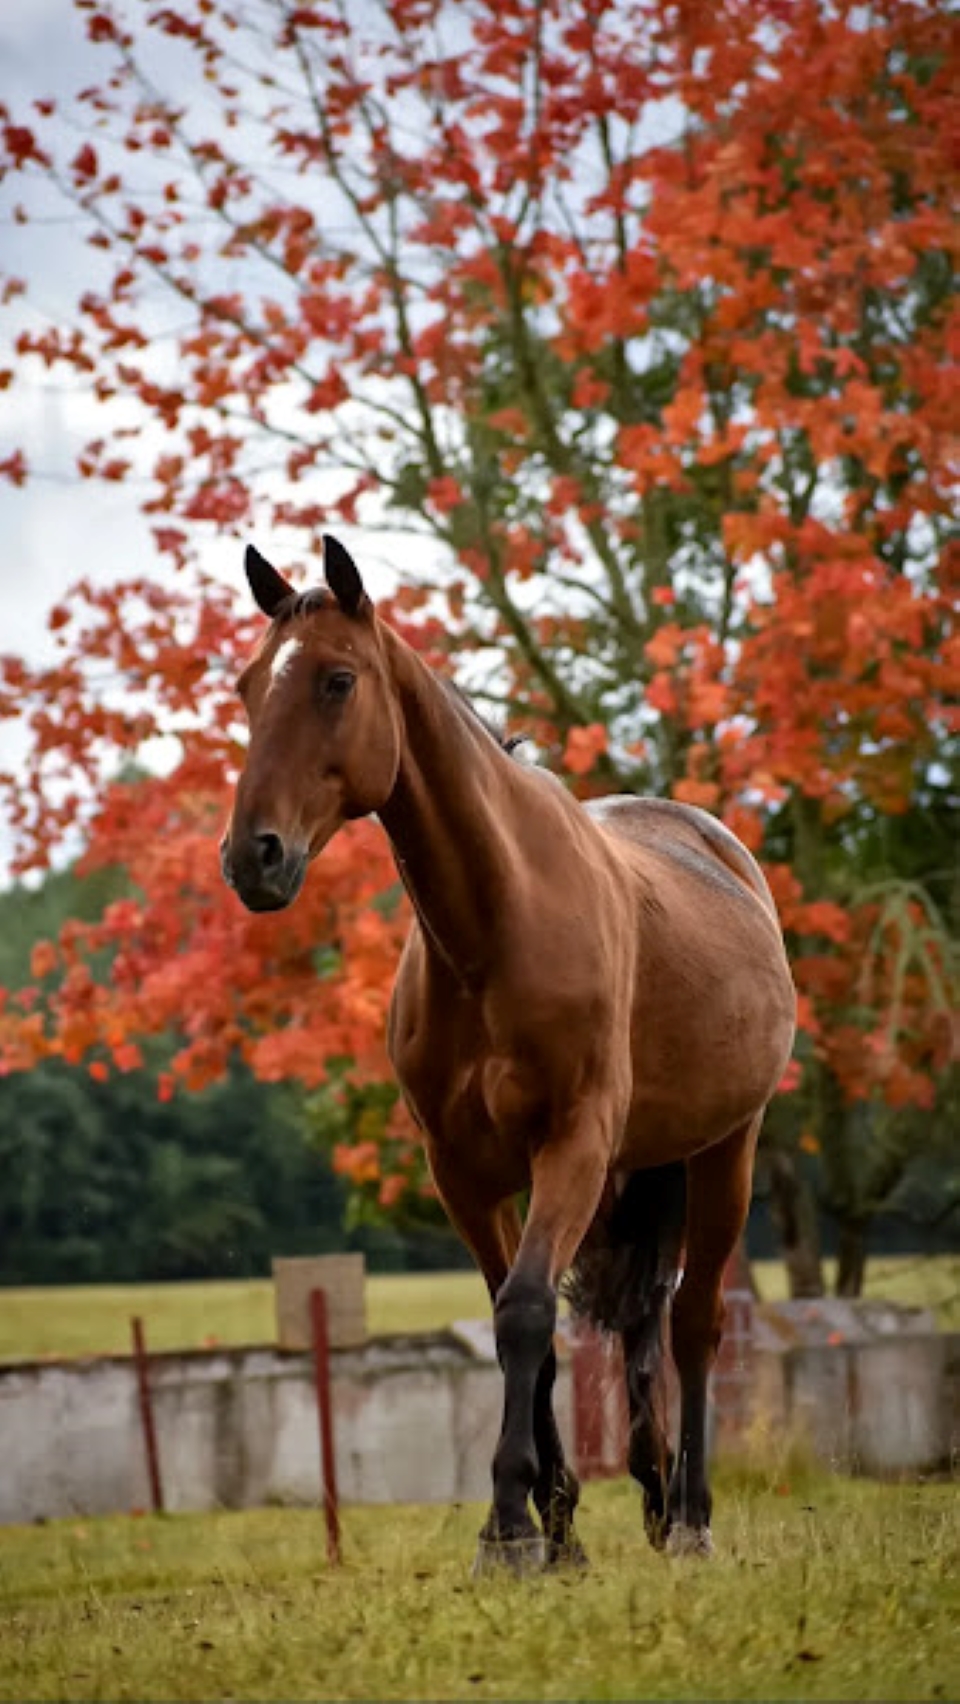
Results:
x,y
920,1281
823,1589
95,1319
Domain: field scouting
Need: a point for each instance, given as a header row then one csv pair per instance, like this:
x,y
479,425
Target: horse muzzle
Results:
x,y
265,874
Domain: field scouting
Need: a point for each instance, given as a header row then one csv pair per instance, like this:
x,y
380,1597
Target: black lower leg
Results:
x,y
718,1199
697,1324
649,1458
689,1502
524,1319
556,1489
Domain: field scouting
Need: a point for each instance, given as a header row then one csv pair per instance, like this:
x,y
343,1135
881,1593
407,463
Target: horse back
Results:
x,y
682,832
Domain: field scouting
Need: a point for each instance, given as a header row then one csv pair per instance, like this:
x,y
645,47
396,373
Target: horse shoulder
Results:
x,y
432,1031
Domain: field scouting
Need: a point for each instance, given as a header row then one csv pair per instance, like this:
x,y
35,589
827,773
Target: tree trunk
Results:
x,y
851,1257
794,1213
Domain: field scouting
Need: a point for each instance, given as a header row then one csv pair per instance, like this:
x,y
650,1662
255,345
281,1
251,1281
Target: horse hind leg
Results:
x,y
649,1457
654,1208
718,1199
623,1282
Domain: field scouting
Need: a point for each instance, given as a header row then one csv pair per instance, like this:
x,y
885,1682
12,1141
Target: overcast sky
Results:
x,y
46,527
60,527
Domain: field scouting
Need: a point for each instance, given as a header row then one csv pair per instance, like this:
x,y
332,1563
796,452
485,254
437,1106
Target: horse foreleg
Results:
x,y
556,1489
718,1200
567,1179
492,1234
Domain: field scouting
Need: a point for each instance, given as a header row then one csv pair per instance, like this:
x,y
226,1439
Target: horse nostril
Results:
x,y
270,848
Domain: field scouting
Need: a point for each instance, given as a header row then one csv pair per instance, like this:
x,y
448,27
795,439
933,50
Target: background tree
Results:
x,y
640,320
103,1182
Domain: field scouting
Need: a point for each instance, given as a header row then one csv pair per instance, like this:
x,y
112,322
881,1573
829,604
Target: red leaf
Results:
x,y
85,162
14,468
445,494
101,27
21,145
790,1081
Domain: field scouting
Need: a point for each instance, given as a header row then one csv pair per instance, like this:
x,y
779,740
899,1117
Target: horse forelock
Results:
x,y
304,603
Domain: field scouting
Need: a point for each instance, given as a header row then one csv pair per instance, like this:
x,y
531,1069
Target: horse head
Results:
x,y
324,732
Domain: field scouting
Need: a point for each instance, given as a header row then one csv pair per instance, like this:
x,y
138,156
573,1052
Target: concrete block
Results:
x,y
897,1398
951,1395
342,1277
817,1382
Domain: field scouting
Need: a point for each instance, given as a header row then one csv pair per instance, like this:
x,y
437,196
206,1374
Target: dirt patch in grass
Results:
x,y
822,1590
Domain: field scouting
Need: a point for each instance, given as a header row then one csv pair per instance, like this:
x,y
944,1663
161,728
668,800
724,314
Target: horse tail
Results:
x,y
626,1272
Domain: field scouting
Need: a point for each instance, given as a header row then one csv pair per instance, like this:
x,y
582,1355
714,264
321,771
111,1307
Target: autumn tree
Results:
x,y
638,319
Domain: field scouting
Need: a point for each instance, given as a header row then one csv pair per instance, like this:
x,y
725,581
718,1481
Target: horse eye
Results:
x,y
339,685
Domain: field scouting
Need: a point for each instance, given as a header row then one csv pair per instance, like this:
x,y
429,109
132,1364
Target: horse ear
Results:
x,y
268,587
343,576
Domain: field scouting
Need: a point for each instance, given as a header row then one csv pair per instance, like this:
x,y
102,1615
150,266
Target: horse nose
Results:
x,y
269,849
264,870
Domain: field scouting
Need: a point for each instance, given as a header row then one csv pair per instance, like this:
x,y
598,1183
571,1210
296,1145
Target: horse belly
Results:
x,y
708,1051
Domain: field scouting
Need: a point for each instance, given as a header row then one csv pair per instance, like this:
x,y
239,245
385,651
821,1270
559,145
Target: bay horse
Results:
x,y
593,1004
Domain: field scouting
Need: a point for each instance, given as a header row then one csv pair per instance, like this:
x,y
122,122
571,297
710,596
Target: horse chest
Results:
x,y
460,1101
491,1068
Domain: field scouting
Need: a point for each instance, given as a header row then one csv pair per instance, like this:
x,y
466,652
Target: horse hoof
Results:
x,y
689,1541
656,1529
517,1556
569,1556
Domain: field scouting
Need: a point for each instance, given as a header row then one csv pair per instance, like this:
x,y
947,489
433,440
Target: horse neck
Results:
x,y
448,816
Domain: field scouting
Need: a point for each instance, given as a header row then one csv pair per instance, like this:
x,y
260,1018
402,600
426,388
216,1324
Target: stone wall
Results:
x,y
416,1420
882,1408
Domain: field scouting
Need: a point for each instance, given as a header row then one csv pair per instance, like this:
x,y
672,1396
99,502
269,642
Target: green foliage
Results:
x,y
344,1117
858,1160
31,914
106,1182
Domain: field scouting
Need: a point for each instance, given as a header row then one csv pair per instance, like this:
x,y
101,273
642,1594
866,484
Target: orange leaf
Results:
x,y
702,793
583,747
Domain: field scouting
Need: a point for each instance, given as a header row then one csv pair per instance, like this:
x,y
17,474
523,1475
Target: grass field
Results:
x,y
95,1319
822,1589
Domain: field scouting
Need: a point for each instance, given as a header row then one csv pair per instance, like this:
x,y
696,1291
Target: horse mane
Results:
x,y
507,742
